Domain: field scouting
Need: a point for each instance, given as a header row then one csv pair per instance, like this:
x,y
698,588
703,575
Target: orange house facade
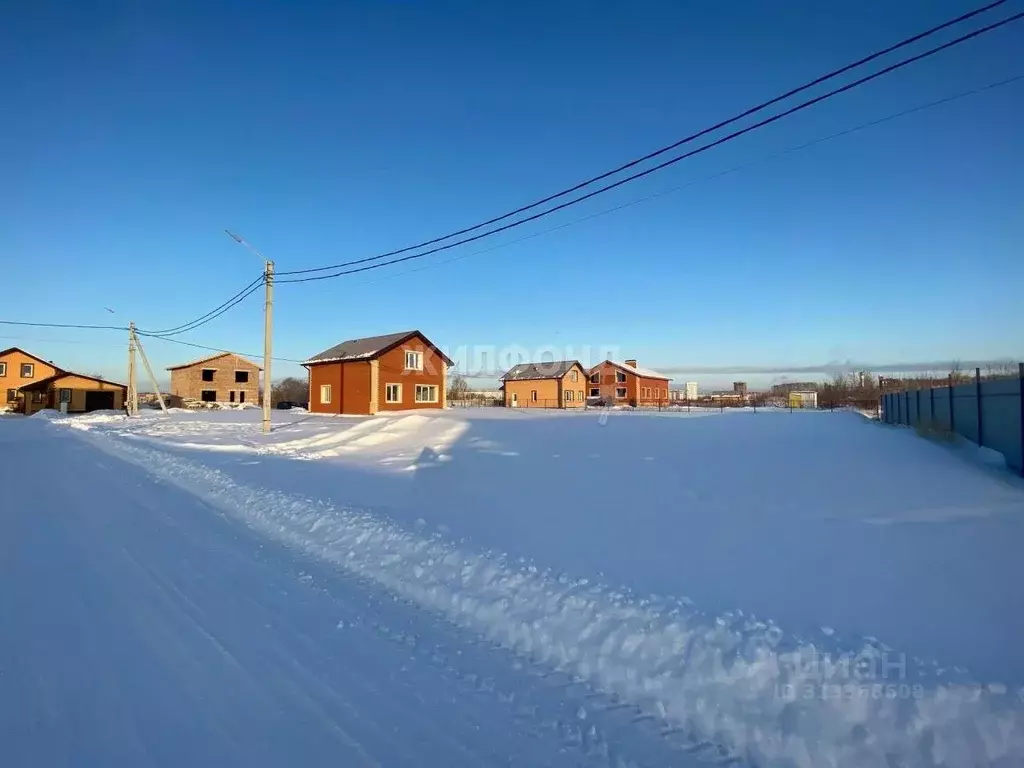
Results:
x,y
557,384
626,383
18,369
395,372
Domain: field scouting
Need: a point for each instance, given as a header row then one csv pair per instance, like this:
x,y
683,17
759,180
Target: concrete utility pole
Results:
x,y
268,325
132,406
152,377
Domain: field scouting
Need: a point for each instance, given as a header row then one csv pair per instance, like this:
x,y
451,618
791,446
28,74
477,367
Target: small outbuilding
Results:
x,y
73,393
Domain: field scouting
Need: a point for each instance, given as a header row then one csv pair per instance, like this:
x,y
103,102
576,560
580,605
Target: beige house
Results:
x,y
17,369
73,393
557,384
221,378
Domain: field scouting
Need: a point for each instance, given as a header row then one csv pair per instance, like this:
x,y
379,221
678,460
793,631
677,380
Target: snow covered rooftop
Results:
x,y
646,373
554,369
369,347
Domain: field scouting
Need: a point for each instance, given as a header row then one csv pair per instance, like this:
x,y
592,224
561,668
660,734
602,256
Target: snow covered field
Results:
x,y
652,589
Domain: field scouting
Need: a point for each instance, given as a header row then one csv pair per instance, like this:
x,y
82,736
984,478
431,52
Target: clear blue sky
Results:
x,y
134,133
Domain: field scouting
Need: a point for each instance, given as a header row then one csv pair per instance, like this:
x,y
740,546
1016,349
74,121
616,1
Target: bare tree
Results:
x,y
290,389
458,388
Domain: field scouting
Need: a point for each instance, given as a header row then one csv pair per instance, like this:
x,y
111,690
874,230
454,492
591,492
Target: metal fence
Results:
x,y
988,412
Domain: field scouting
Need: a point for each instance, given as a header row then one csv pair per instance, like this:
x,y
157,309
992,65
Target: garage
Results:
x,y
73,393
99,401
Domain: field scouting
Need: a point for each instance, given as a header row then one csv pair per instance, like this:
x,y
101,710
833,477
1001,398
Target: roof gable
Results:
x,y
9,350
643,373
211,358
554,369
370,348
56,378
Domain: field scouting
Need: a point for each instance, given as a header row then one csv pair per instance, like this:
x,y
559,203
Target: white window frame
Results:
x,y
387,393
417,360
595,392
579,396
622,390
31,370
574,375
568,395
431,388
325,389
620,377
3,369
533,395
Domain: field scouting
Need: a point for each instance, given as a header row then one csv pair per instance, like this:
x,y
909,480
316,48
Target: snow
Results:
x,y
646,373
775,588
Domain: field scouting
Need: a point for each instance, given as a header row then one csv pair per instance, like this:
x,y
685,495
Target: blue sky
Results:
x,y
134,133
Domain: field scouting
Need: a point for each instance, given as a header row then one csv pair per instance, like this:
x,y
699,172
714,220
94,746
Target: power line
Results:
x,y
672,161
720,174
66,325
214,313
213,349
668,148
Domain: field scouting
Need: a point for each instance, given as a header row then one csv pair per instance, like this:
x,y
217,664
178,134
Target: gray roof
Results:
x,y
368,348
554,369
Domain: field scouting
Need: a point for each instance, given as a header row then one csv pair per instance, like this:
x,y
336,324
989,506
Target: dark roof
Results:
x,y
369,348
44,383
554,369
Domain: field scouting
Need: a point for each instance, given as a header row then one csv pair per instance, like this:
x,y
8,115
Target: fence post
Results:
x,y
918,406
1020,400
952,411
977,396
931,404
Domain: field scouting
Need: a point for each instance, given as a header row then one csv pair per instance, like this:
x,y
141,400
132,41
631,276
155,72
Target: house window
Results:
x,y
573,376
568,395
28,370
533,395
595,392
241,396
579,395
208,374
37,396
620,392
241,377
208,396
12,395
231,396
3,369
65,395
393,393
595,378
413,360
325,393
620,377
426,393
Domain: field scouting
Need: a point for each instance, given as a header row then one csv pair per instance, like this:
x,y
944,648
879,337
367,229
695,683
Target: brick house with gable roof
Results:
x,y
223,377
626,383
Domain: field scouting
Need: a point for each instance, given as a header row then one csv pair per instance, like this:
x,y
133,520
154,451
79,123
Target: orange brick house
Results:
x,y
394,372
73,393
556,384
626,383
19,368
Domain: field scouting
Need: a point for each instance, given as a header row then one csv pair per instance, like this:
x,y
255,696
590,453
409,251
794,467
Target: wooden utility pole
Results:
x,y
132,405
152,377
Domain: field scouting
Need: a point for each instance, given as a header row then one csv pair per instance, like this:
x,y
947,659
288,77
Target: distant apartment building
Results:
x,y
740,388
692,391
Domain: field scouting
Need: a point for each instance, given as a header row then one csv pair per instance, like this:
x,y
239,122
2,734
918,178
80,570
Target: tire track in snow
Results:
x,y
712,683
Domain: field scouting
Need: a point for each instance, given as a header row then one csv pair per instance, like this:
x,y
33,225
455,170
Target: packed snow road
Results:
x,y
140,627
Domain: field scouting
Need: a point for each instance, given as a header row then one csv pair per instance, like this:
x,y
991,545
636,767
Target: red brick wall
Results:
x,y
636,386
329,373
391,370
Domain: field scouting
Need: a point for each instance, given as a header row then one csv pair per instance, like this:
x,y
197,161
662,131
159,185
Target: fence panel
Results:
x,y
965,411
1000,408
941,419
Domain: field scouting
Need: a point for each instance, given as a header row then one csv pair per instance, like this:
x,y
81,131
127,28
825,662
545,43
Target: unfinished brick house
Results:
x,y
626,383
221,378
556,384
394,372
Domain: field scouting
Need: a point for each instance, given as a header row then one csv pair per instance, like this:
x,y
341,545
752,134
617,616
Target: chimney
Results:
x,y
630,362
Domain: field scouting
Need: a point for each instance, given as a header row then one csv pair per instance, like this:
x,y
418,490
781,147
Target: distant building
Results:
x,y
793,386
221,378
555,384
626,382
740,388
692,390
806,399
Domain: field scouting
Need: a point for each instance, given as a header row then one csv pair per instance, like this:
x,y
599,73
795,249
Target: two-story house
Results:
x,y
626,383
555,384
394,372
221,378
17,369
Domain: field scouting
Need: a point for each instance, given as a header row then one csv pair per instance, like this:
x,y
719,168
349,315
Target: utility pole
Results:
x,y
268,324
132,405
149,370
